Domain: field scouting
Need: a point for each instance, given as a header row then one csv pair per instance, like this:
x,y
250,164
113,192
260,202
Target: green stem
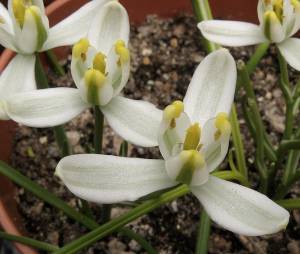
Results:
x,y
257,56
62,140
232,175
119,222
29,242
59,132
289,203
124,149
238,144
132,235
98,132
45,195
54,63
202,12
203,234
98,140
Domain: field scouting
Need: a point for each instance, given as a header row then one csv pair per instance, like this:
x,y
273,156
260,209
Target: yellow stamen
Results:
x,y
19,9
122,51
192,160
99,62
80,49
223,125
172,112
278,9
94,77
94,80
296,4
192,137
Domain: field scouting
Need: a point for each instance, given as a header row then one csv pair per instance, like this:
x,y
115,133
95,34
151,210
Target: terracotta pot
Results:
x,y
57,10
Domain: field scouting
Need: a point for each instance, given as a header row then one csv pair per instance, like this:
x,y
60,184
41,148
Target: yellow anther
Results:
x,y
223,125
122,51
94,80
173,111
270,19
278,9
192,160
99,62
19,9
296,4
192,137
94,77
80,49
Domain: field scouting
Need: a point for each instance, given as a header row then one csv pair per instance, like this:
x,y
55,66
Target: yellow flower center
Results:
x,y
122,51
223,125
19,9
172,112
192,137
80,49
99,62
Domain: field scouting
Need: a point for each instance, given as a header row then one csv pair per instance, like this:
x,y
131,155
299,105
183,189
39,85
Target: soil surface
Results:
x,y
165,54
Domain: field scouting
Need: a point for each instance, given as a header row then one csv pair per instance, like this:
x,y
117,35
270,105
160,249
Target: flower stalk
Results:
x,y
121,221
59,132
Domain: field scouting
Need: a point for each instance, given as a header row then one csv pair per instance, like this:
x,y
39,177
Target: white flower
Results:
x,y
100,68
24,28
190,154
279,20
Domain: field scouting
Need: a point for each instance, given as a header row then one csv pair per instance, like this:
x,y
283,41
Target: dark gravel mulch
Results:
x,y
165,54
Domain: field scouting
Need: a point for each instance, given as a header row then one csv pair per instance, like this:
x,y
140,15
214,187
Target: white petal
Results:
x,y
231,33
175,164
290,49
110,24
214,150
6,29
170,140
260,11
135,121
32,36
74,27
79,67
212,87
240,209
111,179
117,73
18,76
46,107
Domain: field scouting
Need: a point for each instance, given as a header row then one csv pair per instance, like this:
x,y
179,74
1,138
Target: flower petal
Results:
x,y
110,179
74,27
290,49
240,209
212,87
170,140
46,107
6,29
110,24
118,72
214,150
231,33
135,121
17,77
